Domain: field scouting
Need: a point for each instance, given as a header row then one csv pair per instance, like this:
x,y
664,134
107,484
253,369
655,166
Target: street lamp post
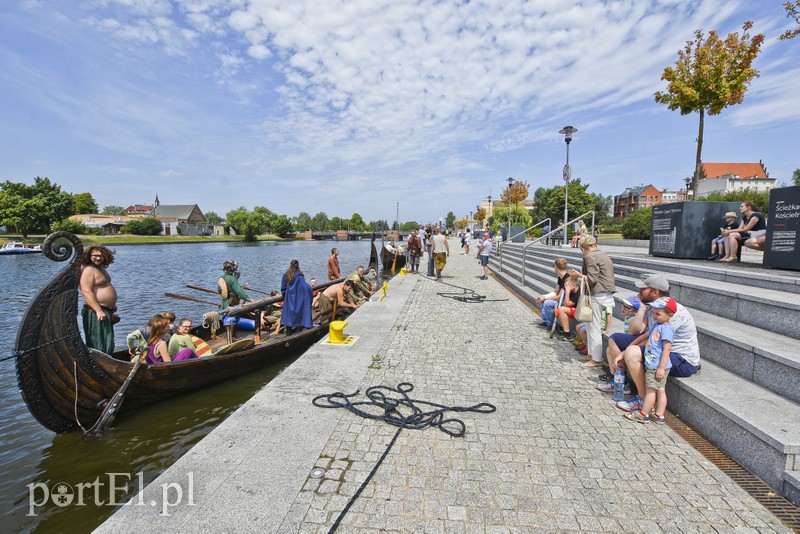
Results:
x,y
567,132
489,208
510,181
687,181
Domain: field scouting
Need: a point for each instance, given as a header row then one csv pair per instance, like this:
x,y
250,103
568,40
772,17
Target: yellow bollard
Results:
x,y
403,271
336,332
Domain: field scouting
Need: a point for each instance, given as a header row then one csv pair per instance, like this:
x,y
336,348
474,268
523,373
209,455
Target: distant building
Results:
x,y
181,219
138,209
108,224
634,198
724,177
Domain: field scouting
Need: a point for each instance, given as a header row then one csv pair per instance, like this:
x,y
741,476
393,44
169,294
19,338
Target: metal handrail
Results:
x,y
547,235
515,235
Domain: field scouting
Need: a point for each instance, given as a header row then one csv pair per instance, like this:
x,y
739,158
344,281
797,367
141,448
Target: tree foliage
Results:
x,y
282,225
637,224
113,210
710,75
480,215
213,218
792,12
516,193
146,226
357,223
320,222
302,222
33,208
409,225
796,177
519,216
84,203
247,223
68,225
760,199
450,219
580,201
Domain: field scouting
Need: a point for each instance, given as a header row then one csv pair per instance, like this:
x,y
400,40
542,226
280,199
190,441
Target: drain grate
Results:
x,y
779,505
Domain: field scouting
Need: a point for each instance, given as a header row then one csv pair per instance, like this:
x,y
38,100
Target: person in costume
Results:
x,y
100,297
297,297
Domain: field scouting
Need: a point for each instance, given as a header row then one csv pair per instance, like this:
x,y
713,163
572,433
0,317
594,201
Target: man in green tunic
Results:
x,y
229,288
362,289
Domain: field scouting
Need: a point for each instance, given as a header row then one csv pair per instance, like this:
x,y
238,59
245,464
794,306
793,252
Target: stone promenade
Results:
x,y
555,456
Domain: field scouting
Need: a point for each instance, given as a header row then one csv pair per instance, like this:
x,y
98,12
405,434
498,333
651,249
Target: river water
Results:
x,y
140,445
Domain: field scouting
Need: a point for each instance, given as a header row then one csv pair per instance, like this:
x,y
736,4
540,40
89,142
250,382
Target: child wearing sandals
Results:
x,y
656,361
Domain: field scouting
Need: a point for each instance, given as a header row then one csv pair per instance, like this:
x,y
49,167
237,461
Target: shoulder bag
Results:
x,y
583,312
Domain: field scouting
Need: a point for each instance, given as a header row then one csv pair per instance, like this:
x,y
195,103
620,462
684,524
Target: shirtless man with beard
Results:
x,y
100,297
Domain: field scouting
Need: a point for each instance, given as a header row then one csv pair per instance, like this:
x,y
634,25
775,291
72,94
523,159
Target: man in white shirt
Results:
x,y
484,250
440,250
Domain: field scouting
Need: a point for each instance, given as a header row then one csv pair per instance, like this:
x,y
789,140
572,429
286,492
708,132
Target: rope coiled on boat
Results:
x,y
388,409
211,321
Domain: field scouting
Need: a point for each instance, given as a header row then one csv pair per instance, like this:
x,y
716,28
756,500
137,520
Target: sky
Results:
x,y
372,106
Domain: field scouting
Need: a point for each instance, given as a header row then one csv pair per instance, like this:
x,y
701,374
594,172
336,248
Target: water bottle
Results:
x,y
619,384
604,317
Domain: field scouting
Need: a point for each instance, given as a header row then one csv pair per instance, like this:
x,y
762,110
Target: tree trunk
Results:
x,y
696,177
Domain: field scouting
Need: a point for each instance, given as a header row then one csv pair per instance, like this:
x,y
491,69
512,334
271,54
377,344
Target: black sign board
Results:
x,y
685,229
782,248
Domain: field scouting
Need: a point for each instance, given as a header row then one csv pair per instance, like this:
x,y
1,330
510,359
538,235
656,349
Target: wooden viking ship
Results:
x,y
65,384
395,259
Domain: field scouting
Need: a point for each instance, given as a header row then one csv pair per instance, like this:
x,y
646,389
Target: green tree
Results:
x,y
68,225
710,75
246,223
450,219
760,199
146,226
579,201
519,216
33,208
602,208
282,225
84,203
378,226
213,218
637,224
319,222
302,222
792,12
267,216
357,223
337,223
113,210
409,225
796,177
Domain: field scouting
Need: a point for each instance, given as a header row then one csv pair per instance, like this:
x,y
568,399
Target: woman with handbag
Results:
x,y
599,284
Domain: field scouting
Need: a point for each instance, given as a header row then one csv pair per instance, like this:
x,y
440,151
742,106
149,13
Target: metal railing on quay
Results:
x,y
548,236
515,235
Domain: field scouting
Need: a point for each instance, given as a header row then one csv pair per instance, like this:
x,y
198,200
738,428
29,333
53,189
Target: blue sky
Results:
x,y
354,105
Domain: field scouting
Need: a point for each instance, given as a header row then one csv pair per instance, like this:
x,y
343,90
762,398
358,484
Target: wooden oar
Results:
x,y
248,288
394,263
113,406
184,297
202,289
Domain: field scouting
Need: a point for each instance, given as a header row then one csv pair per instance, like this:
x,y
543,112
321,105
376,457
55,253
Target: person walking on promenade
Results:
x,y
333,265
467,239
484,250
100,298
752,225
684,354
598,274
414,252
656,361
440,249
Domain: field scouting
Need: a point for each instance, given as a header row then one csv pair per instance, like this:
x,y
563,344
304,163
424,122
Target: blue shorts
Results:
x,y
680,367
718,240
484,260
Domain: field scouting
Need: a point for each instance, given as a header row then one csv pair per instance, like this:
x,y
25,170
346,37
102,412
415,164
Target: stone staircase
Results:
x,y
746,398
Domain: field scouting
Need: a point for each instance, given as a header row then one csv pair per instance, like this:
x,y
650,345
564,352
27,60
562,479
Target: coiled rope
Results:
x,y
211,321
390,409
467,295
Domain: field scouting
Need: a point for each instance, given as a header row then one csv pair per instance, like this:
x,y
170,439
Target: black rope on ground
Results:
x,y
389,411
467,295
